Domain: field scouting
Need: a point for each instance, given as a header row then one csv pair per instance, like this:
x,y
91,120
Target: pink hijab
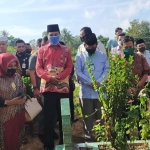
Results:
x,y
5,60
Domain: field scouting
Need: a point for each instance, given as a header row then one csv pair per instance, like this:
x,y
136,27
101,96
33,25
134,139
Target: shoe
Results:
x,y
56,136
88,138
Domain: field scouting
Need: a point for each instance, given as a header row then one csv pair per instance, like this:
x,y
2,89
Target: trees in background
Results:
x,y
139,29
33,43
103,39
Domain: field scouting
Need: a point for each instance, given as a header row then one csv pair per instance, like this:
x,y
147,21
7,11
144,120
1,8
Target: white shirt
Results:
x,y
147,55
100,47
116,50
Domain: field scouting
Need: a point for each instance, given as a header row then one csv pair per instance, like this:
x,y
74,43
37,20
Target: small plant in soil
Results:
x,y
121,117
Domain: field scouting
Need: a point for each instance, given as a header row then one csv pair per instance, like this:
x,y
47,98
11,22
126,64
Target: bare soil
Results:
x,y
35,144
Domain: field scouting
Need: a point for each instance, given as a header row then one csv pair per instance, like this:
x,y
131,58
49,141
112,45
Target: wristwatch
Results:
x,y
34,87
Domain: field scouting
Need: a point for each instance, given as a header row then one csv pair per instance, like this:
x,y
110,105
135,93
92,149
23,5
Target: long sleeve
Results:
x,y
146,68
79,72
40,67
67,71
105,71
2,102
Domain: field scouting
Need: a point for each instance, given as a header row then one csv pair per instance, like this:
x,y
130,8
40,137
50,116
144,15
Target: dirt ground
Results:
x,y
77,137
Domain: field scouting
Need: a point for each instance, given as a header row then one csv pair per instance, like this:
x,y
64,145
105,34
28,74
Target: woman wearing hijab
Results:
x,y
12,112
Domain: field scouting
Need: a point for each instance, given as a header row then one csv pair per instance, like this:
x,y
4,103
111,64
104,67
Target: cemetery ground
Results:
x,y
77,129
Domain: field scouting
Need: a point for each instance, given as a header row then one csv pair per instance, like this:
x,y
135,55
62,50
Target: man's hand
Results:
x,y
54,80
36,93
97,83
27,72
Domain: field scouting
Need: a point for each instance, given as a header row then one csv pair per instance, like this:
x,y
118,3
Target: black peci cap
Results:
x,y
53,28
90,39
139,41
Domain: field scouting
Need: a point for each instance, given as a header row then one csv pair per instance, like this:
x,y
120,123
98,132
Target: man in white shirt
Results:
x,y
118,49
141,49
84,31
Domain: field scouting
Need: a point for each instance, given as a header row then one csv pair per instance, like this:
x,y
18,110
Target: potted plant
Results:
x,y
121,117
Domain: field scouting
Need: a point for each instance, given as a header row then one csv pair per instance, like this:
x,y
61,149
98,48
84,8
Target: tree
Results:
x,y
76,42
4,33
44,33
12,40
33,43
140,30
67,37
103,39
11,49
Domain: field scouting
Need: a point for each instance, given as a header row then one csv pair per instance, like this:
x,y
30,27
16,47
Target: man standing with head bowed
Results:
x,y
54,65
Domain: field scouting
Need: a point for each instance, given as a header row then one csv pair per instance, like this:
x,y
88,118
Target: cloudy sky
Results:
x,y
27,19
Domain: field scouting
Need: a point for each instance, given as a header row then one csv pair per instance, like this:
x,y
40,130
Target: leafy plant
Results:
x,y
27,83
120,117
78,111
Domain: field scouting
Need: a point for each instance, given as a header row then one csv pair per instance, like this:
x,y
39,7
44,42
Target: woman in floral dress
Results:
x,y
12,114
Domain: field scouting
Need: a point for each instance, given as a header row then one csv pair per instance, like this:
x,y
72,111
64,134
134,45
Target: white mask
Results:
x,y
119,43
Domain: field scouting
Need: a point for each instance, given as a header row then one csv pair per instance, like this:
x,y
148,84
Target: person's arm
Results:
x,y
67,71
143,80
146,71
40,67
32,63
105,71
72,72
79,72
2,102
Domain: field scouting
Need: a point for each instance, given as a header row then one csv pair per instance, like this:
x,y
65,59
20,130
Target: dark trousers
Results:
x,y
51,108
71,105
41,117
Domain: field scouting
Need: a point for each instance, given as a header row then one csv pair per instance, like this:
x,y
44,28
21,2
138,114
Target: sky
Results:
x,y
27,19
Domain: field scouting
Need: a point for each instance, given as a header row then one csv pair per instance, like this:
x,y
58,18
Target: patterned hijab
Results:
x,y
5,60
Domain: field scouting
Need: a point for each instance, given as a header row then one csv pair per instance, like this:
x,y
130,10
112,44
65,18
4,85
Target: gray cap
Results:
x,y
3,39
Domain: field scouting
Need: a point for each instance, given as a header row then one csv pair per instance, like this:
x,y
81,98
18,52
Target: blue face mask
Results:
x,y
54,40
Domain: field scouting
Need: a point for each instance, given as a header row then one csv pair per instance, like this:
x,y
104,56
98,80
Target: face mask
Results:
x,y
54,40
128,52
21,53
142,49
28,51
11,72
119,43
82,39
91,51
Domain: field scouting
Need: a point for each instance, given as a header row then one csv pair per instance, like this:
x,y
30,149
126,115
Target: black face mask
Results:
x,y
11,72
82,38
28,51
142,49
91,51
21,53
